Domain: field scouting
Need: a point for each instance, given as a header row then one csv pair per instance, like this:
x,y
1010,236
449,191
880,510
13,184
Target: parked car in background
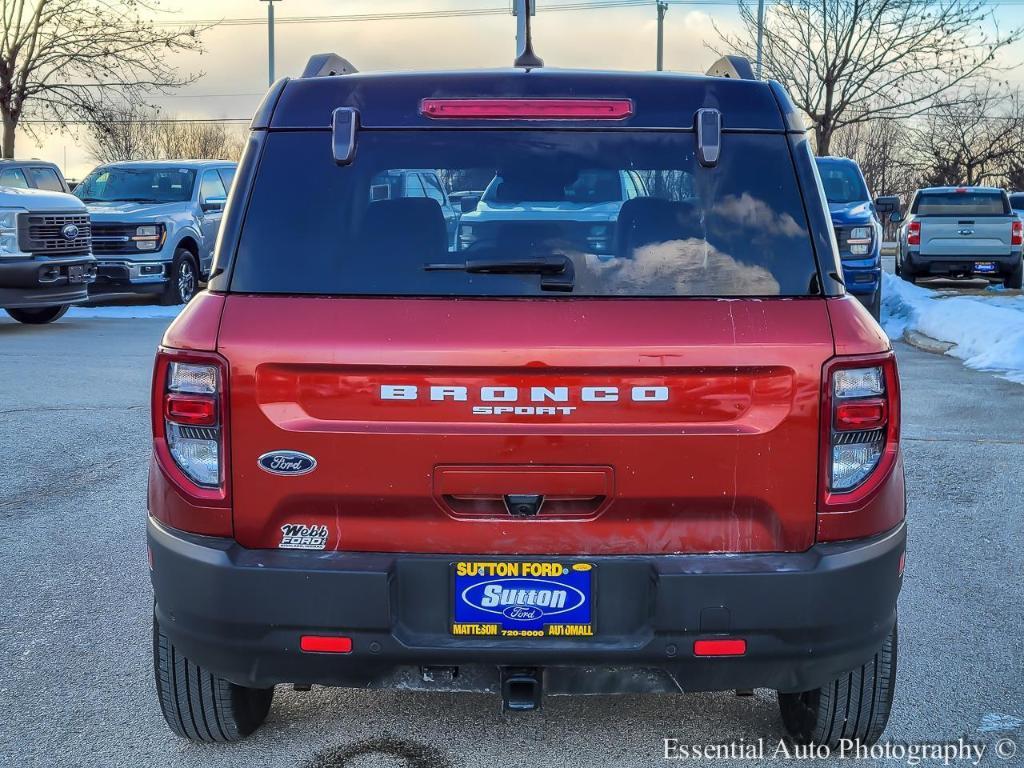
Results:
x,y
857,221
417,183
523,202
155,224
46,263
961,232
32,174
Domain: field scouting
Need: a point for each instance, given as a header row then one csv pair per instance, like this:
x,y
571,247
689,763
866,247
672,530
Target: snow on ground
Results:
x,y
140,311
987,332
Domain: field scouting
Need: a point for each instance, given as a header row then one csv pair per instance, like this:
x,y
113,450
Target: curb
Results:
x,y
926,343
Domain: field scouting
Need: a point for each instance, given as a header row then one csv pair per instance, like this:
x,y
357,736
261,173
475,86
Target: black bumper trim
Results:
x,y
807,617
42,281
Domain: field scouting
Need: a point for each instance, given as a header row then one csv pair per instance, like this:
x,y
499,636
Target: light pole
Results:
x,y
662,10
760,35
270,39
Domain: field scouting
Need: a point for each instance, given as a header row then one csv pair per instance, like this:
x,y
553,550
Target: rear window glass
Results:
x,y
622,213
1017,202
970,203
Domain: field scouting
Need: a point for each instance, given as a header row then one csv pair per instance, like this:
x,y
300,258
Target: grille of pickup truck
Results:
x,y
113,238
47,233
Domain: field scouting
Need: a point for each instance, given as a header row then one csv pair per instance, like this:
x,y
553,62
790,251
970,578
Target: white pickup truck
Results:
x,y
46,261
961,232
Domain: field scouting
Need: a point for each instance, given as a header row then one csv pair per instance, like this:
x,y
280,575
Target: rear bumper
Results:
x,y
807,617
960,264
45,281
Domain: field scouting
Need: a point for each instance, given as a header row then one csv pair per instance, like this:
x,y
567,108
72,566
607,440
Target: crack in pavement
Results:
x,y
55,409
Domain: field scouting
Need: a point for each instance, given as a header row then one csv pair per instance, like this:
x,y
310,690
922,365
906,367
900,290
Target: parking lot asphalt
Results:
x,y
75,651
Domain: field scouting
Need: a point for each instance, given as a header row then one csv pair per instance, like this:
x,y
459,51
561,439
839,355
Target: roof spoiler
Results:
x,y
735,67
327,65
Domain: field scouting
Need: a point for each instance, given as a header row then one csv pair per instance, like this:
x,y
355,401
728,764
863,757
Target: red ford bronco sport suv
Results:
x,y
515,462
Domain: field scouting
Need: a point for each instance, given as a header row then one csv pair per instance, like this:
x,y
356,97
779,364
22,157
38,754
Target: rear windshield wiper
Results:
x,y
557,272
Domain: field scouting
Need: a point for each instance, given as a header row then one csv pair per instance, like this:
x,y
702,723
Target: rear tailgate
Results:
x,y
964,222
966,236
648,426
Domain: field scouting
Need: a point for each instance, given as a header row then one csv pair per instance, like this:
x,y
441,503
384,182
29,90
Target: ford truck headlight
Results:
x,y
860,240
149,237
9,231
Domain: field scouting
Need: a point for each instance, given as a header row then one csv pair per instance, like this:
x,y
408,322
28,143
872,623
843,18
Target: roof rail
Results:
x,y
736,67
326,65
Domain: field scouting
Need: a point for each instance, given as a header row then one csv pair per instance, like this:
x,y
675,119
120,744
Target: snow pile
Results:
x,y
987,332
133,312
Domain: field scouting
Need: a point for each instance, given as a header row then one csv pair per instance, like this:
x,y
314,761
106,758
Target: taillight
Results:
x,y
914,233
189,428
527,109
1017,233
860,432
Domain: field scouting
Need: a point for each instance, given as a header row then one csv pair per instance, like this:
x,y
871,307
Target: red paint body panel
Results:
x,y
855,331
196,327
728,463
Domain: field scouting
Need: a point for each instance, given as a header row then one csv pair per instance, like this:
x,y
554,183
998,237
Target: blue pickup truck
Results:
x,y
858,227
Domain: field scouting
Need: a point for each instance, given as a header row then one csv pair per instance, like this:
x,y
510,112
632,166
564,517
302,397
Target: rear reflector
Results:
x,y
862,414
719,647
325,644
527,109
195,410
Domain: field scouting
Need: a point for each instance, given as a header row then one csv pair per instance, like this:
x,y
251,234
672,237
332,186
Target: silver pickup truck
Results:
x,y
961,232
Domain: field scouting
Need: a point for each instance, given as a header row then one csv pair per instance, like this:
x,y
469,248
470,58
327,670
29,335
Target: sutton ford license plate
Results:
x,y
522,599
76,275
984,266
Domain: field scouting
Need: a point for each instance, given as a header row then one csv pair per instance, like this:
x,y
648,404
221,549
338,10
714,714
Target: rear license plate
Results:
x,y
76,275
984,266
522,599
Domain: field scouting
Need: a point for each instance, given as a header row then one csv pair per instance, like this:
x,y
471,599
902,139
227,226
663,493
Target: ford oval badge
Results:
x,y
287,463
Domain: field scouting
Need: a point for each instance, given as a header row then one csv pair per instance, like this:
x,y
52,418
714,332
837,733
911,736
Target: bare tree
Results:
x,y
850,61
131,132
974,137
64,60
881,149
120,134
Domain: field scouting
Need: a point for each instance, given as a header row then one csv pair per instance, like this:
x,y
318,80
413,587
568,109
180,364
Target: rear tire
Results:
x,y
198,705
40,316
855,706
1015,279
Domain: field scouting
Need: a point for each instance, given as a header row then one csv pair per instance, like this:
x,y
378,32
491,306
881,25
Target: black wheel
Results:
x,y
39,316
1016,277
200,706
907,275
182,280
856,706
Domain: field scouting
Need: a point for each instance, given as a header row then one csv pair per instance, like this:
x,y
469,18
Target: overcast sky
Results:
x,y
234,63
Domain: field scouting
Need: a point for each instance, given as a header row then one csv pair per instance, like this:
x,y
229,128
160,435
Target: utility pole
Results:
x,y
760,36
270,39
662,10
